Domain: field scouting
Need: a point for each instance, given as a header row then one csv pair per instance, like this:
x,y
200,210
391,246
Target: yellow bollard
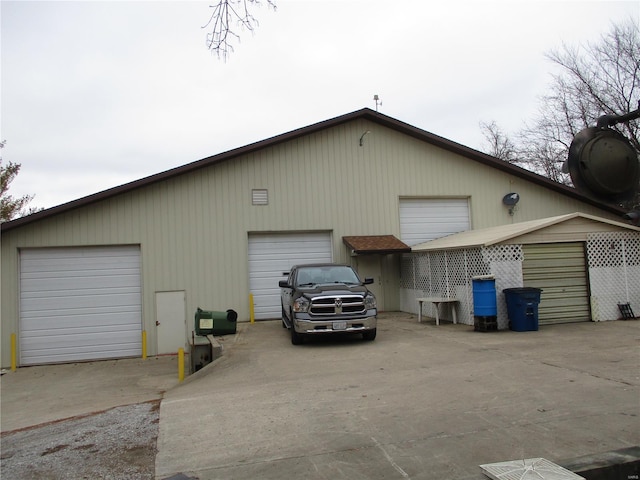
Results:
x,y
13,352
144,344
180,364
252,314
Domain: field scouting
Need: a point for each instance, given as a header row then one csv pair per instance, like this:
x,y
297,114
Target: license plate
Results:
x,y
342,325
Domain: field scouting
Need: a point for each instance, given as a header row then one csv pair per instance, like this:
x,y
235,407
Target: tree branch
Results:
x,y
225,18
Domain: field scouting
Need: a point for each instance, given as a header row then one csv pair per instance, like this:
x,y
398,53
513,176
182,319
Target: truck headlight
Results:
x,y
370,302
301,304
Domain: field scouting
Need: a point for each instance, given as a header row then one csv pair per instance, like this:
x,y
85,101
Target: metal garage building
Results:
x,y
84,280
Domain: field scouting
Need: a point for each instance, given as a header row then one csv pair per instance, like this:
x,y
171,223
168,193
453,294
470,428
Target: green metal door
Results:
x,y
560,270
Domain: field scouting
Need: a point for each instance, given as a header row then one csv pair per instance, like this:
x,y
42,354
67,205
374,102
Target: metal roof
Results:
x,y
366,114
484,237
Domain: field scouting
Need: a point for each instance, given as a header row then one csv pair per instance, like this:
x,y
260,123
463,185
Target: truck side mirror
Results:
x,y
367,281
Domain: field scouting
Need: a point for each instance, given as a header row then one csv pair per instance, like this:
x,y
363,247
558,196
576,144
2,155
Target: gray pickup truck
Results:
x,y
327,298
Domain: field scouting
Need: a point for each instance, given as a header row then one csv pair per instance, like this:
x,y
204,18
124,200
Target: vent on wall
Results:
x,y
259,196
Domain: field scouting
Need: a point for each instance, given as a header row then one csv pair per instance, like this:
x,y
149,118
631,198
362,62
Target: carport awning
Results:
x,y
375,244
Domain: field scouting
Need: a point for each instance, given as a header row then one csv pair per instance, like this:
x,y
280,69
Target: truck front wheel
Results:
x,y
369,334
296,338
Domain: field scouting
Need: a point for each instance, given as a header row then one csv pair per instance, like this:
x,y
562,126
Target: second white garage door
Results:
x,y
424,219
273,253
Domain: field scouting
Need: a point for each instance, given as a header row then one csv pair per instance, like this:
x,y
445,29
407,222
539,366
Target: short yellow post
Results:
x,y
144,344
252,314
13,352
180,364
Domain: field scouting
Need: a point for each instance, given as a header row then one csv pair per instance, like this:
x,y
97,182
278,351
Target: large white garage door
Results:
x,y
80,304
274,253
424,219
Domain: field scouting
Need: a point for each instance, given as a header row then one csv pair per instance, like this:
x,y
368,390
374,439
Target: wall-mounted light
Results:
x,y
362,137
511,200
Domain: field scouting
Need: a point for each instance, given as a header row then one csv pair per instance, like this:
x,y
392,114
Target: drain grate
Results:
x,y
528,469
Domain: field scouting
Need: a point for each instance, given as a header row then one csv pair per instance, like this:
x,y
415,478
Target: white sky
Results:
x,y
97,94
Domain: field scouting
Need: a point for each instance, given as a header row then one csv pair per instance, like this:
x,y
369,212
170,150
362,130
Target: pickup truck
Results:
x,y
327,298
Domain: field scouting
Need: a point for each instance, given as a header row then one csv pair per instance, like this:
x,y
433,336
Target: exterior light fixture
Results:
x,y
362,137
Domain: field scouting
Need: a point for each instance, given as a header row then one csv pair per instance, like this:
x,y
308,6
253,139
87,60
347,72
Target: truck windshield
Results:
x,y
308,276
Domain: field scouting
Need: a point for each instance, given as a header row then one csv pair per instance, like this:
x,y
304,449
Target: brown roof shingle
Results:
x,y
376,244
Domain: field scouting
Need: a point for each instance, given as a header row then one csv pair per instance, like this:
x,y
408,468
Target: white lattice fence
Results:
x,y
450,273
614,273
506,266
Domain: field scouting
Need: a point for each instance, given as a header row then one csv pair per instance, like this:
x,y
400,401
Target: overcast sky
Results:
x,y
97,94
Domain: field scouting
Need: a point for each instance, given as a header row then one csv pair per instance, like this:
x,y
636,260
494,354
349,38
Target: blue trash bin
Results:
x,y
522,308
484,296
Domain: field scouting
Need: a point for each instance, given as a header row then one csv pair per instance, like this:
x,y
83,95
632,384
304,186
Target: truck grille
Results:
x,y
337,305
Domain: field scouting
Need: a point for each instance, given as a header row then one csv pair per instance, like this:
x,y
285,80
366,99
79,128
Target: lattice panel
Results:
x,y
407,279
438,274
502,253
505,263
614,272
450,273
614,275
477,263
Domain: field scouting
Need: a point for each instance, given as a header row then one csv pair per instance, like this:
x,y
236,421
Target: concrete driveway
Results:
x,y
33,396
420,402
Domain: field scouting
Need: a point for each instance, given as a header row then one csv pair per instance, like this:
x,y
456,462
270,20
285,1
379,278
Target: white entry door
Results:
x,y
171,323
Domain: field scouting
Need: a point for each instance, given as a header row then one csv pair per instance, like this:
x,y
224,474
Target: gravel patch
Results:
x,y
120,443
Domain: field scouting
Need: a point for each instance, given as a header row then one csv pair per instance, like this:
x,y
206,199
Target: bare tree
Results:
x,y
11,207
228,16
595,79
498,142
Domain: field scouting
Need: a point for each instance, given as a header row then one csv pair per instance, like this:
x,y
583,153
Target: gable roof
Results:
x,y
485,237
366,114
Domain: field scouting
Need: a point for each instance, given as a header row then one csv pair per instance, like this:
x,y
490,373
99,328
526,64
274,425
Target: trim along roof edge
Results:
x,y
365,113
485,237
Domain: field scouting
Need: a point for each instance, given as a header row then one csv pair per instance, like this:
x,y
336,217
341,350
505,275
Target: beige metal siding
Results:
x,y
573,230
193,228
559,269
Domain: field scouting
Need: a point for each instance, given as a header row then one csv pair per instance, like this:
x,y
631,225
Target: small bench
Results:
x,y
437,301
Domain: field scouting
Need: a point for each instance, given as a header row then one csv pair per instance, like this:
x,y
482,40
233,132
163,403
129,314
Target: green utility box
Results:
x,y
215,323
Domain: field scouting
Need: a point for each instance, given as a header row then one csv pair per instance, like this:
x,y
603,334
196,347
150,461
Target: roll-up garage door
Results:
x,y
274,253
80,304
560,270
424,219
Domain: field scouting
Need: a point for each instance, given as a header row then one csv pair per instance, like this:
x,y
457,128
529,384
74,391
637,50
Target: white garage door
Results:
x,y
424,219
80,304
274,253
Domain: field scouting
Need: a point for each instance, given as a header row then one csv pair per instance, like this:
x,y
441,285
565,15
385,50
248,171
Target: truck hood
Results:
x,y
333,289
